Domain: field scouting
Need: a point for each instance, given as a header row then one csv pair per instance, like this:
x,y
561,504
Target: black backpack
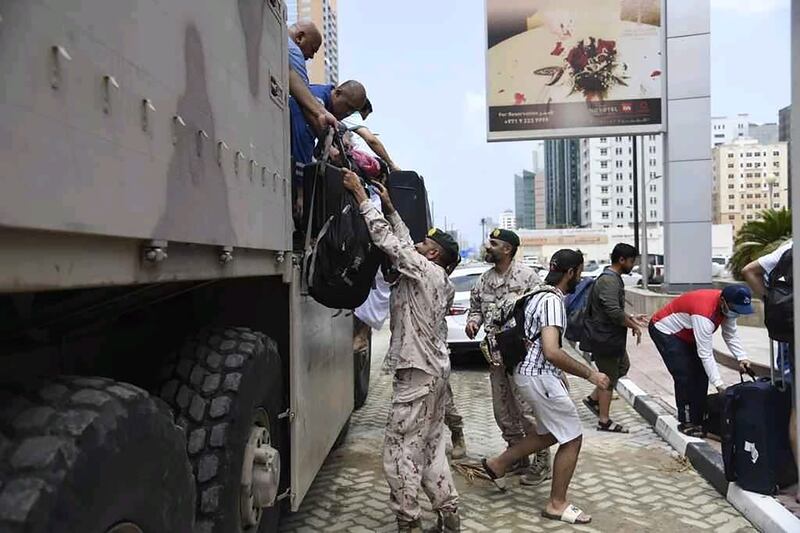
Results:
x,y
340,260
779,301
511,341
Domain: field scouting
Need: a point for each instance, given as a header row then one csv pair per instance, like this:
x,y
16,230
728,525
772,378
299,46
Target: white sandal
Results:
x,y
570,515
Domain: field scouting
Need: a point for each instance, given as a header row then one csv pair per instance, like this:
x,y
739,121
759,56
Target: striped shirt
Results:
x,y
543,310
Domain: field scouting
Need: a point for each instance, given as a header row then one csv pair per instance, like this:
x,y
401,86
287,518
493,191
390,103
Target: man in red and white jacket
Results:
x,y
683,332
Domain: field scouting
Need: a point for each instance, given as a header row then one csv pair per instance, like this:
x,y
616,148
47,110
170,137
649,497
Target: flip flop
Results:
x,y
692,430
592,405
499,481
611,427
570,516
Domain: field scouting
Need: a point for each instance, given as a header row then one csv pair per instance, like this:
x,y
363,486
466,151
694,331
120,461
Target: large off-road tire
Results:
x,y
362,363
225,383
82,455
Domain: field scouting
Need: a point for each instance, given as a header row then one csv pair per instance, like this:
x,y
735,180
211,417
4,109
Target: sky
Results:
x,y
422,63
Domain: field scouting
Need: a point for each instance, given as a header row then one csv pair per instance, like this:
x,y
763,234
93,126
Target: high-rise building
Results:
x,y
785,124
291,12
607,181
725,130
540,202
524,199
785,135
764,133
324,68
536,157
562,174
748,178
507,220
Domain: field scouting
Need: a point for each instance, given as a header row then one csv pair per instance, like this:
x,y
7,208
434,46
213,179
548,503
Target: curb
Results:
x,y
764,512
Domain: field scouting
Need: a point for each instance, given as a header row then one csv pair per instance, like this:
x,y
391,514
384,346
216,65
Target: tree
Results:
x,y
760,237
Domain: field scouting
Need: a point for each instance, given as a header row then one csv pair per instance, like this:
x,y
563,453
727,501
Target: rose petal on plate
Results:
x,y
656,73
519,98
558,49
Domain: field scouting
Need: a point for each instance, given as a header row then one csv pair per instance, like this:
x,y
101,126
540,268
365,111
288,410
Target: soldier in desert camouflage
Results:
x,y
414,447
503,283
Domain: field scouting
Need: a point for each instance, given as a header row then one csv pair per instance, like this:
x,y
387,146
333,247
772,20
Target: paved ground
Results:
x,y
650,374
630,483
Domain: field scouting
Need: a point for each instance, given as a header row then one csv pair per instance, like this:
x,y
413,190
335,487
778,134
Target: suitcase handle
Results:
x,y
749,372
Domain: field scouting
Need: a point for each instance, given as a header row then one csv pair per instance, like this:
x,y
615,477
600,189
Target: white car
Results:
x,y
463,279
630,280
719,267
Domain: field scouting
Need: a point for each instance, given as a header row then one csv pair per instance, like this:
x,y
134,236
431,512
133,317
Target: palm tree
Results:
x,y
760,237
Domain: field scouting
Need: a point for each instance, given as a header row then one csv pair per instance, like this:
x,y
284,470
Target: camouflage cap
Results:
x,y
446,241
506,236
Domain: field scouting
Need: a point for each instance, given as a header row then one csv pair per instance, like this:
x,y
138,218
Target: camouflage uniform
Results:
x,y
414,450
493,289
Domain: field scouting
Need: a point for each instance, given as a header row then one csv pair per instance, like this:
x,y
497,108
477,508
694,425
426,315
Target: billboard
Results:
x,y
574,68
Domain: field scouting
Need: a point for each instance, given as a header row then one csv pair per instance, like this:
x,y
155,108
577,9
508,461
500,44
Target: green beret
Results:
x,y
506,236
446,241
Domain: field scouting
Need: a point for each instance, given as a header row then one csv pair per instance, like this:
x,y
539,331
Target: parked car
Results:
x,y
631,280
656,269
463,278
719,267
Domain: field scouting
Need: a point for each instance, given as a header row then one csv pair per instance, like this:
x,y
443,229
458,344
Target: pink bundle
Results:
x,y
368,164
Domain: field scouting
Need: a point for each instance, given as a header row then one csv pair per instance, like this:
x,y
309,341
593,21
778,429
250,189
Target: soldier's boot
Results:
x,y
459,446
448,522
540,470
409,527
521,466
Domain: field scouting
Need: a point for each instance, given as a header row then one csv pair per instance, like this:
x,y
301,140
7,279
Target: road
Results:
x,y
629,483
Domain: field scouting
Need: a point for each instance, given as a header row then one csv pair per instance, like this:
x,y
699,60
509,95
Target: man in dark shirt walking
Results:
x,y
606,326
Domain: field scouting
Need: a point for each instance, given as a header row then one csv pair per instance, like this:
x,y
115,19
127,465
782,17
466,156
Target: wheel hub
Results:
x,y
261,474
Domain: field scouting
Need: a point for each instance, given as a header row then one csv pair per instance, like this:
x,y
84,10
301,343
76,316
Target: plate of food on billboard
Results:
x,y
563,68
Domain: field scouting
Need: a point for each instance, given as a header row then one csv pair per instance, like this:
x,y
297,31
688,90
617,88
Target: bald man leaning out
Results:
x,y
304,42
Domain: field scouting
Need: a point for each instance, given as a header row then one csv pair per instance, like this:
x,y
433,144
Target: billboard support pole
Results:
x,y
634,138
794,179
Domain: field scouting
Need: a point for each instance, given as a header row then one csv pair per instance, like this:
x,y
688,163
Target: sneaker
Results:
x,y
409,527
521,466
459,450
539,472
448,522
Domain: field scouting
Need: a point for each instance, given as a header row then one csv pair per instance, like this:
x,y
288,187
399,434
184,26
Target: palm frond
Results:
x,y
760,237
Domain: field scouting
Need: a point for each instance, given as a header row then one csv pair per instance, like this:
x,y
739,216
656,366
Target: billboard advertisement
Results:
x,y
574,68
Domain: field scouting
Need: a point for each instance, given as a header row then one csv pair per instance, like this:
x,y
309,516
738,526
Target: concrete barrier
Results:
x,y
643,302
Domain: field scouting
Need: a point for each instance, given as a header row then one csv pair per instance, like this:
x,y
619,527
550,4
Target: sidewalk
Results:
x,y
649,381
629,483
756,344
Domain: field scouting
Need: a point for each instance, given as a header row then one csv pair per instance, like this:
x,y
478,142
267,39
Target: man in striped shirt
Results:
x,y
539,378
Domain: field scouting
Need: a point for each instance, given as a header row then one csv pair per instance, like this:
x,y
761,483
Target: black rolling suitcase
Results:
x,y
410,198
756,451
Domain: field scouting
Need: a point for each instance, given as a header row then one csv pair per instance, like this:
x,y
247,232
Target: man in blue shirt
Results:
x,y
304,42
341,102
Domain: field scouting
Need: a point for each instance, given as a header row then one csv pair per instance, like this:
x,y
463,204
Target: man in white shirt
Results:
x,y
757,275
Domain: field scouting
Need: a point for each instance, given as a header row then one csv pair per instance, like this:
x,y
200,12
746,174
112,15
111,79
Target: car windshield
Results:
x,y
466,282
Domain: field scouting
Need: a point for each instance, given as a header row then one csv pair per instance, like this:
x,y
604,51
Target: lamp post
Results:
x,y
772,181
645,264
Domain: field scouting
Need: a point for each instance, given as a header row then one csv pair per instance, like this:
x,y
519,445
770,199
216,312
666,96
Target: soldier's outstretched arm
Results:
x,y
403,255
399,227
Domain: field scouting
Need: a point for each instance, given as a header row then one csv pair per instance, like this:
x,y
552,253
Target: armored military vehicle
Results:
x,y
162,368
